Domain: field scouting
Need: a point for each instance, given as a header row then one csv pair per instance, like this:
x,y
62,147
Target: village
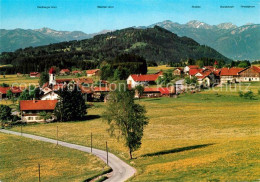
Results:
x,y
186,79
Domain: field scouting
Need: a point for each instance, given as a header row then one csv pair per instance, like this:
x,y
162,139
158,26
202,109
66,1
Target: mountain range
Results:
x,y
230,40
153,44
11,40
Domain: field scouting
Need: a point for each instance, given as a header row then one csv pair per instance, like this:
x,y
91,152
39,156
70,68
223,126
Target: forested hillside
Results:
x,y
153,44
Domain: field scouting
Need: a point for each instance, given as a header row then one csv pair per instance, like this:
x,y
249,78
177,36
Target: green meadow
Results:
x,y
212,135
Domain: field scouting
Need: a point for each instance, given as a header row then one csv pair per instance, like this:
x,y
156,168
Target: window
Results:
x,y
30,118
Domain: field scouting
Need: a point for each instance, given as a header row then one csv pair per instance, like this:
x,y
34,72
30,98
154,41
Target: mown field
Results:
x,y
212,135
20,158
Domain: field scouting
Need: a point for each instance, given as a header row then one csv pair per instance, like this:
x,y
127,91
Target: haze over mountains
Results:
x,y
11,40
228,39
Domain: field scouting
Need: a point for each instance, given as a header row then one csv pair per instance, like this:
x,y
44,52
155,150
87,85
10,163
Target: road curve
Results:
x,y
121,170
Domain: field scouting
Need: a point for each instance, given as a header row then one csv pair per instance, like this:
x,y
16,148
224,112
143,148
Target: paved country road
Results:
x,y
121,170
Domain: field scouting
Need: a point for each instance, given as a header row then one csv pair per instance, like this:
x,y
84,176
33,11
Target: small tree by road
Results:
x,y
5,114
129,118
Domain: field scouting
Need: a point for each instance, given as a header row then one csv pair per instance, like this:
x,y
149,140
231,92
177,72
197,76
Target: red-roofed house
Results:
x,y
137,79
193,72
94,72
188,68
34,74
250,74
76,72
178,71
15,90
64,72
205,78
156,92
30,109
228,75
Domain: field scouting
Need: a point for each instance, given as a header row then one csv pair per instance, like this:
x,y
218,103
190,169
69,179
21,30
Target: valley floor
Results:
x,y
212,135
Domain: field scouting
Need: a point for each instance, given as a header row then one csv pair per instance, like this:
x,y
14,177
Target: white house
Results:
x,y
135,79
50,96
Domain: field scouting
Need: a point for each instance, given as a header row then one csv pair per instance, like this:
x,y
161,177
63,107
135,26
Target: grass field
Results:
x,y
13,79
212,135
20,157
152,70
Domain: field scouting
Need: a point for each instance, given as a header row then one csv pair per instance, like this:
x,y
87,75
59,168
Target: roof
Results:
x,y
162,90
256,68
145,78
193,67
101,89
65,70
41,105
209,67
34,73
179,69
204,74
193,72
230,71
84,80
63,80
92,71
14,90
216,62
52,71
217,72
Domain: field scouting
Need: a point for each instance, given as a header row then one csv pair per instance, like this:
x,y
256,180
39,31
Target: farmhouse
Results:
x,y
64,72
34,74
16,91
76,72
94,72
250,74
178,72
138,79
230,75
188,68
30,109
205,78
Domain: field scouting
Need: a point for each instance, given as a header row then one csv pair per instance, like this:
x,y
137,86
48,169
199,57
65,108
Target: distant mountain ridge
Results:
x,y
228,39
11,40
153,44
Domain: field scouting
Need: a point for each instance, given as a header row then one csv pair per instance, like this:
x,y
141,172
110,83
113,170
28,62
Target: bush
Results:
x,y
248,95
258,91
241,94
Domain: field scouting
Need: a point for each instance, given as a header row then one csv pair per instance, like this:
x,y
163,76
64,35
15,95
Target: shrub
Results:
x,y
241,94
249,95
258,91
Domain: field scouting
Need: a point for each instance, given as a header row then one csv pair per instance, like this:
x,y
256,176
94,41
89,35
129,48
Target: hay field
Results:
x,y
20,157
208,136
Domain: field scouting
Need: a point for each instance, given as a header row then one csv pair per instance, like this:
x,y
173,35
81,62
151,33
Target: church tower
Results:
x,y
52,73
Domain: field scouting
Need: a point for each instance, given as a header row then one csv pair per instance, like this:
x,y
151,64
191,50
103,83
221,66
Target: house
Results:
x,y
193,72
230,75
94,72
156,92
177,72
50,96
250,74
138,79
64,72
188,68
30,109
34,74
15,90
205,78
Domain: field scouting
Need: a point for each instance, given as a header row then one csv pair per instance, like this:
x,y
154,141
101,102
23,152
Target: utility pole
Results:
x,y
57,136
21,130
107,152
39,170
91,142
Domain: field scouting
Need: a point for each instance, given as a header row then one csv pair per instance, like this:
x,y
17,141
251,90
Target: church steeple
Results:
x,y
52,73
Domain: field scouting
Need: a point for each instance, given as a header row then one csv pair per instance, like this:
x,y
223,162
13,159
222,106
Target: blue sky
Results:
x,y
84,15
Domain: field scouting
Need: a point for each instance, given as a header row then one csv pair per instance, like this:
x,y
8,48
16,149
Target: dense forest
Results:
x,y
153,44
